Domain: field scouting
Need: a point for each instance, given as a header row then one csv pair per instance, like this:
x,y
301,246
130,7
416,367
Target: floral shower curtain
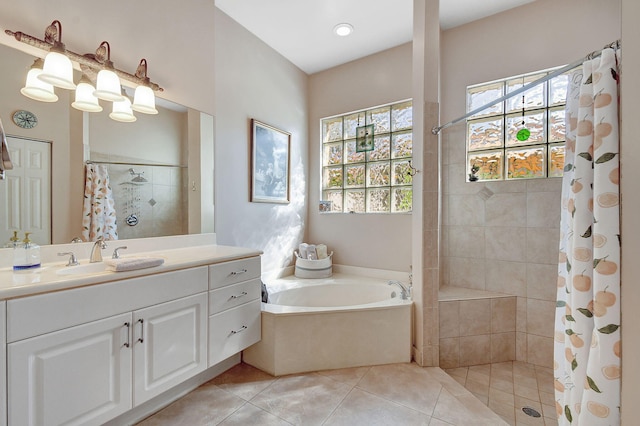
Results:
x,y
99,213
587,337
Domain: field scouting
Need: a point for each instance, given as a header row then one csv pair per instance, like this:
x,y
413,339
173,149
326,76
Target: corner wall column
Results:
x,y
426,185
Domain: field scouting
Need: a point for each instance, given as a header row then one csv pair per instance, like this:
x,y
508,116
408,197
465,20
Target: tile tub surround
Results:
x,y
398,394
476,327
348,330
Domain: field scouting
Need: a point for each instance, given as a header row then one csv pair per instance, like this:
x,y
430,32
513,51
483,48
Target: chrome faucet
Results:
x,y
96,251
405,292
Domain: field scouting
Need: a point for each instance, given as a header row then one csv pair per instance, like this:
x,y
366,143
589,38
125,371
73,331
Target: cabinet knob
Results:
x,y
241,271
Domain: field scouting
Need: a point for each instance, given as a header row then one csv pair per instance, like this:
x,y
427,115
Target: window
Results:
x,y
364,172
522,137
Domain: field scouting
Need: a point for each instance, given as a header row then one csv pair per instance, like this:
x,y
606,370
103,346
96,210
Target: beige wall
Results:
x,y
254,81
503,236
375,241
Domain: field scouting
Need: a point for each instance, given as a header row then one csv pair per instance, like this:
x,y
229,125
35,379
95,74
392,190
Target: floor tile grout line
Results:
x,y
337,406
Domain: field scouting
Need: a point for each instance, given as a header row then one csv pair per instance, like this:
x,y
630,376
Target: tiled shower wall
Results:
x,y
159,203
503,237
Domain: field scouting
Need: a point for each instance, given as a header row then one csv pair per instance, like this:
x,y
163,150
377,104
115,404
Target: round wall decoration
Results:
x,y
25,119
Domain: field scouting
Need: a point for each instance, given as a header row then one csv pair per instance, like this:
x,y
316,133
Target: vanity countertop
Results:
x,y
46,279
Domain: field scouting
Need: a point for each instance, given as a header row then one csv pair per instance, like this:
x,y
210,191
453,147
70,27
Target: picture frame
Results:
x,y
364,138
270,163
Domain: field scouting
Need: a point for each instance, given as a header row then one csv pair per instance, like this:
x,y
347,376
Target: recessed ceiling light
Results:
x,y
343,30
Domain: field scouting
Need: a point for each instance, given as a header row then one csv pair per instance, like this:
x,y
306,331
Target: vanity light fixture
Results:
x,y
36,88
108,85
85,101
144,100
343,29
122,111
57,69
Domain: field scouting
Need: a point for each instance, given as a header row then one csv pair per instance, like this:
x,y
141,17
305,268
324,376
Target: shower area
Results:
x,y
149,199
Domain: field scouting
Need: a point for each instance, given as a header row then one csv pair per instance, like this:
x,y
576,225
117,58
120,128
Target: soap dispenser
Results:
x,y
14,242
27,256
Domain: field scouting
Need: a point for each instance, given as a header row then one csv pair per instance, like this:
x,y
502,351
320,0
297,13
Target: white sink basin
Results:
x,y
89,268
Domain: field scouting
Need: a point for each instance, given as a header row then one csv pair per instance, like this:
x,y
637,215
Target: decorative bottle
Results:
x,y
27,256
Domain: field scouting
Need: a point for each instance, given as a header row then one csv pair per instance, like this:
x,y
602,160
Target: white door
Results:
x,y
25,194
169,345
77,376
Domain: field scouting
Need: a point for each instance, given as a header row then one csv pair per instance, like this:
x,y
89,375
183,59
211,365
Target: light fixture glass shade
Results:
x,y
38,89
122,111
85,101
144,100
108,87
58,71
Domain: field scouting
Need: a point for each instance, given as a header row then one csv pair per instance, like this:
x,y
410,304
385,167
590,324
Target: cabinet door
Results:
x,y
170,344
80,375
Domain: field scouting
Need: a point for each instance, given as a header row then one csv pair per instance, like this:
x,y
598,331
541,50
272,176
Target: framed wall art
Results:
x,y
270,160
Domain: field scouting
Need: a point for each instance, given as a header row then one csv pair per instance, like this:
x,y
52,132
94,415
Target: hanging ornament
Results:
x,y
524,133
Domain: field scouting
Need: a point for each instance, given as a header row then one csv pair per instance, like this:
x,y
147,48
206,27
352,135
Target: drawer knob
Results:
x,y
243,328
241,271
244,293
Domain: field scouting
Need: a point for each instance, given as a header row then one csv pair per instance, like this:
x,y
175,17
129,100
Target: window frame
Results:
x,y
496,157
393,172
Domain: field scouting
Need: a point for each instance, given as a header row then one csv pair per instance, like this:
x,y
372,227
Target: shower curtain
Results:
x,y
587,328
99,213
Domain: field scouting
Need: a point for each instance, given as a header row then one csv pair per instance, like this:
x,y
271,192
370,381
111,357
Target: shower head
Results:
x,y
138,176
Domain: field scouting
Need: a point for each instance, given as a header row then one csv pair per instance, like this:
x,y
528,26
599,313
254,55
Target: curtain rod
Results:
x,y
134,164
615,45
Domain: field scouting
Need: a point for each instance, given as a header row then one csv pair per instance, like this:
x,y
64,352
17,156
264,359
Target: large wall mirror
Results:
x,y
153,164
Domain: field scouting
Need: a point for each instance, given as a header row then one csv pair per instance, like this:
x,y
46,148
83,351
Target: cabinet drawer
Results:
x,y
236,271
230,296
233,330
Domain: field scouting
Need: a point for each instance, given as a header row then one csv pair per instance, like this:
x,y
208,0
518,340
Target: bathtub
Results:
x,y
338,322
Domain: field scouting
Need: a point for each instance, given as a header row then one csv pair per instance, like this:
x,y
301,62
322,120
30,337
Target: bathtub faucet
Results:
x,y
405,292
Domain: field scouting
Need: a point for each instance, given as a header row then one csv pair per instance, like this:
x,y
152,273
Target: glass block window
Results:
x,y
522,137
358,177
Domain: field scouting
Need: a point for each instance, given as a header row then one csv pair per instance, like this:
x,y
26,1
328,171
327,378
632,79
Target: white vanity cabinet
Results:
x,y
86,355
234,307
80,375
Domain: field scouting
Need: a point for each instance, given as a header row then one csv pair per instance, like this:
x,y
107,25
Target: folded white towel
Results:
x,y
132,263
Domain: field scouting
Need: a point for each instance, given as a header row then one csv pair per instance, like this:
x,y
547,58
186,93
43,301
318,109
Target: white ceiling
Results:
x,y
302,30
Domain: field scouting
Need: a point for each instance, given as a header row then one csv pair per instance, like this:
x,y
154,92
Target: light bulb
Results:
x,y
122,111
144,100
37,89
58,71
85,101
108,86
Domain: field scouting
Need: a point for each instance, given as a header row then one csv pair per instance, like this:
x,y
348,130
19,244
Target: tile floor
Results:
x,y
395,394
507,387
